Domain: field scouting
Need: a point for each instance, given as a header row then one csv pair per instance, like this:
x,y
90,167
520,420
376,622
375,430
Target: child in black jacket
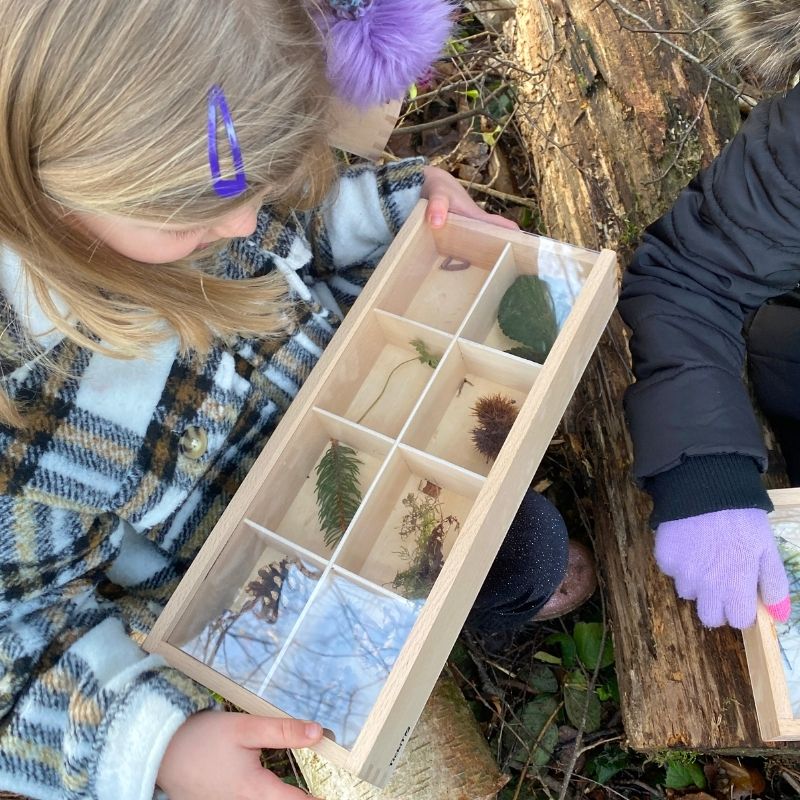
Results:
x,y
729,247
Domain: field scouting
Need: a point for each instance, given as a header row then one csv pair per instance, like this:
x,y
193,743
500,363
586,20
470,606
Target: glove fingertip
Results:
x,y
781,611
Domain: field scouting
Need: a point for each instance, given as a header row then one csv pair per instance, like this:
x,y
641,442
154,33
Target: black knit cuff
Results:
x,y
702,484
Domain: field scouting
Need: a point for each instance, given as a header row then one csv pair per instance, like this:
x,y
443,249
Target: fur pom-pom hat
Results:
x,y
763,35
378,48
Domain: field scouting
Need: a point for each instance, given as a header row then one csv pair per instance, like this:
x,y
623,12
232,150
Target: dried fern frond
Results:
x,y
495,414
338,491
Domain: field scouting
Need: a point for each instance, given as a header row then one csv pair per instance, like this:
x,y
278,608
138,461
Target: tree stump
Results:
x,y
617,122
446,758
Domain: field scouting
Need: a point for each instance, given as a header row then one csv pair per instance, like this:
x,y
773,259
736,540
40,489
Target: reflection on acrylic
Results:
x,y
788,536
340,657
563,273
244,642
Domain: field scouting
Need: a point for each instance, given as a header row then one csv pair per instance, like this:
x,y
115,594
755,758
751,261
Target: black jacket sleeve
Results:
x,y
730,242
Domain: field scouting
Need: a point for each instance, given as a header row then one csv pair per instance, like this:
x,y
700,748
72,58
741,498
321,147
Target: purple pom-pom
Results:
x,y
376,56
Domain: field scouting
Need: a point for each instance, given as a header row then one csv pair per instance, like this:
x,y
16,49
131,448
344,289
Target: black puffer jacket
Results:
x,y
730,242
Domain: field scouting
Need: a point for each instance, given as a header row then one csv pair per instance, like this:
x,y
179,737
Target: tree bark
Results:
x,y
446,758
617,122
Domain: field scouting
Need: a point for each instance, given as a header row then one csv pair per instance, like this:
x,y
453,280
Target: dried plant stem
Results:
x,y
385,385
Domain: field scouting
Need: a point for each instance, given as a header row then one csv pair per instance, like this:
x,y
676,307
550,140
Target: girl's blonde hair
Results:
x,y
105,108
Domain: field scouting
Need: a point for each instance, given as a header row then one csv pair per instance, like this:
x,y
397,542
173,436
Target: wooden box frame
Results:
x,y
410,294
776,720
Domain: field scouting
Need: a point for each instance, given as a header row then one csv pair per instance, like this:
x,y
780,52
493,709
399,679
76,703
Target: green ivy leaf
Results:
x,y
576,697
607,764
681,775
527,315
567,644
547,658
535,721
609,690
588,637
542,679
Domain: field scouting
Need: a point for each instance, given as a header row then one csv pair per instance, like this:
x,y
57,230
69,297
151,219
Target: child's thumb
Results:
x,y
438,206
773,582
271,732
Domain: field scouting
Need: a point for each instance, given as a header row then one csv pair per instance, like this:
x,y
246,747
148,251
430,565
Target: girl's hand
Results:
x,y
214,755
723,560
444,193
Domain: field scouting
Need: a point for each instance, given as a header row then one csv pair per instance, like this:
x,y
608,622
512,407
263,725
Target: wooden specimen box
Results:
x,y
355,634
773,650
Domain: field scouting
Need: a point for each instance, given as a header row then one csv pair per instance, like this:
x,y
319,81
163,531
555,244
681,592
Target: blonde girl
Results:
x,y
162,297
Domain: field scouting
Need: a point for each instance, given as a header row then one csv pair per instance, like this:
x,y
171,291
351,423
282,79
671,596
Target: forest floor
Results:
x,y
555,734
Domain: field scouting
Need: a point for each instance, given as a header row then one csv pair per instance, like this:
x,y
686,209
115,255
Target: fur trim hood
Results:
x,y
763,35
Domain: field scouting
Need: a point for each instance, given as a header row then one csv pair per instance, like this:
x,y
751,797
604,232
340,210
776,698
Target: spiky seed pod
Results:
x,y
495,414
763,35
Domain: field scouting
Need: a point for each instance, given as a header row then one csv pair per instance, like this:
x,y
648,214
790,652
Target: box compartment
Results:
x,y
561,269
381,377
376,547
288,503
249,606
443,272
341,654
444,420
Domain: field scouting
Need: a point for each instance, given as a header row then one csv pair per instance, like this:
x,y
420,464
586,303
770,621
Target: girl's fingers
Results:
x,y
258,732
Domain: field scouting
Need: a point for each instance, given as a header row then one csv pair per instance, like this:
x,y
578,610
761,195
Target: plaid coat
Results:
x,y
122,474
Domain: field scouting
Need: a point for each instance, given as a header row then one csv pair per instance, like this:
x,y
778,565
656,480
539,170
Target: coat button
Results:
x,y
194,442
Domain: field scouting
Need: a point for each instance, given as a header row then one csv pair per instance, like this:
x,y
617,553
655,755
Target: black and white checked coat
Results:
x,y
122,474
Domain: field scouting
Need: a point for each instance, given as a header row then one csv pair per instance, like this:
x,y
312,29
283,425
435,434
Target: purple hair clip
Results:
x,y
224,187
349,9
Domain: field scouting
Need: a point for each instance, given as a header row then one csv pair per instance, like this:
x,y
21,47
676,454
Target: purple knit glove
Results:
x,y
723,560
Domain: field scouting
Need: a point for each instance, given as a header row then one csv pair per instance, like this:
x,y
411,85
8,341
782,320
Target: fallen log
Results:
x,y
617,120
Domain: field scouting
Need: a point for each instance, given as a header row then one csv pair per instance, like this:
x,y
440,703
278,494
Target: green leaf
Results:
x,y
607,764
490,137
541,679
424,355
527,314
413,91
338,490
567,644
609,690
548,658
588,638
535,725
681,775
576,698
